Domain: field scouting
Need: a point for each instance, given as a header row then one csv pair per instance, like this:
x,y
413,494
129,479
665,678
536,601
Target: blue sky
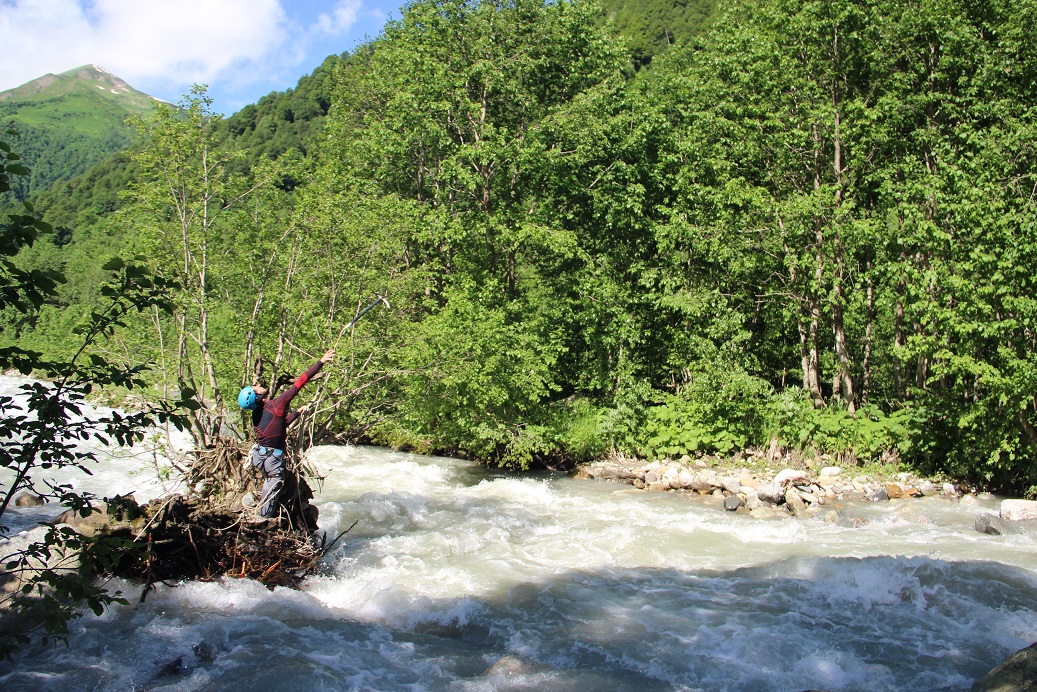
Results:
x,y
243,49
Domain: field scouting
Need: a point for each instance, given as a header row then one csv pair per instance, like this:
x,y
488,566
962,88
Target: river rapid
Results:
x,y
458,578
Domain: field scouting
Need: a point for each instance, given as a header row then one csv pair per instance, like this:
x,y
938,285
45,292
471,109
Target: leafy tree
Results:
x,y
184,203
845,164
459,111
43,433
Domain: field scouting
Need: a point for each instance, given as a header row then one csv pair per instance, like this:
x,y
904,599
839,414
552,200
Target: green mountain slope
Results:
x,y
278,122
652,26
68,122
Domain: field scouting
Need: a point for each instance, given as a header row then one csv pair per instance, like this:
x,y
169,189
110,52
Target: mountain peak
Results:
x,y
101,78
76,79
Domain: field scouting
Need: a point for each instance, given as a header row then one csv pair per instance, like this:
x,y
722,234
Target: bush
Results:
x,y
719,411
795,422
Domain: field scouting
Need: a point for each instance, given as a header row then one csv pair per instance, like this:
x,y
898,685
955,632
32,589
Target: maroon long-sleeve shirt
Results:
x,y
272,419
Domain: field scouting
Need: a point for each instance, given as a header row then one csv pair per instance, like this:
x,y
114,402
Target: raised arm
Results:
x,y
287,395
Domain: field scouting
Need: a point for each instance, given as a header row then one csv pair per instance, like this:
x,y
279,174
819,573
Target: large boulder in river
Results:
x,y
1018,510
27,499
877,495
1017,674
990,523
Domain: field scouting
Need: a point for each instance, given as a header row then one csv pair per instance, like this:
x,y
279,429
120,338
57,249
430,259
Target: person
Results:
x,y
271,419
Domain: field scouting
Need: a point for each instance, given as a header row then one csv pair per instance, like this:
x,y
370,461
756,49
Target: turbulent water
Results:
x,y
456,578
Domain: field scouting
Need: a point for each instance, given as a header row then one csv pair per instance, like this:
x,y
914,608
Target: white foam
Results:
x,y
449,569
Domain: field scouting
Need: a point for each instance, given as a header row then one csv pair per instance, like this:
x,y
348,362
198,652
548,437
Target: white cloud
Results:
x,y
142,41
340,20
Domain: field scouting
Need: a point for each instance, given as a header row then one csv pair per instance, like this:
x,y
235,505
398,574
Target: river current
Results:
x,y
459,578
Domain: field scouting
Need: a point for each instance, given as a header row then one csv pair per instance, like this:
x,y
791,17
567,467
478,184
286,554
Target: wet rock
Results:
x,y
1018,510
990,523
831,517
1017,674
27,499
771,493
795,502
87,525
174,667
767,512
733,502
927,488
639,483
205,652
656,486
877,495
894,491
968,501
312,514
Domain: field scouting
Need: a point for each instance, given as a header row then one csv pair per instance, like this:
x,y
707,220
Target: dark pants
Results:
x,y
271,462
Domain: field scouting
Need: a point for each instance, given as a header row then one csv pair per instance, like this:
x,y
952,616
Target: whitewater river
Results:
x,y
457,578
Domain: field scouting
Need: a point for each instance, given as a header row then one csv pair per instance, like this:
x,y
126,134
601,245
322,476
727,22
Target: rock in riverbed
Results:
x,y
1018,510
1017,674
788,490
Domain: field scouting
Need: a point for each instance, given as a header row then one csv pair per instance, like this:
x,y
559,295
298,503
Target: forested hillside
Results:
x,y
652,26
812,224
68,122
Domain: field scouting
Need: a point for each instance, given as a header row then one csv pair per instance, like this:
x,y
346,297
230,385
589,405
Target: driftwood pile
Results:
x,y
181,539
215,530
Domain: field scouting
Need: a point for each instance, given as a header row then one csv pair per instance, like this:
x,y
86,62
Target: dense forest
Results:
x,y
808,222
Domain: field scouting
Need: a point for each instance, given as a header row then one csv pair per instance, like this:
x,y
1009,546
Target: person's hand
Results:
x,y
328,356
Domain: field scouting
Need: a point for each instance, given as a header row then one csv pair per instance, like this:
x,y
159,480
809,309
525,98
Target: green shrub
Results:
x,y
795,422
718,411
581,430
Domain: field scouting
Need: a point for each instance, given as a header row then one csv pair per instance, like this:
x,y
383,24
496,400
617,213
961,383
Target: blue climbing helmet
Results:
x,y
247,398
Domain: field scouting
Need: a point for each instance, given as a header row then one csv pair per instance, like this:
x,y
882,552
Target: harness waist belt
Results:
x,y
270,450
